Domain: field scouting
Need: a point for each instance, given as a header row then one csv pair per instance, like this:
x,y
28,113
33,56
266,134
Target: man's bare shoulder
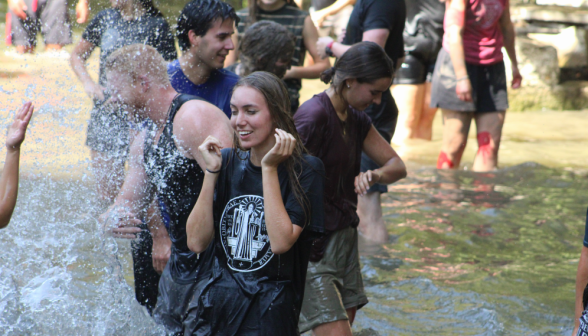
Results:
x,y
199,112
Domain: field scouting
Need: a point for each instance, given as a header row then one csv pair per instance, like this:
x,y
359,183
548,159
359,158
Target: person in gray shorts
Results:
x,y
469,81
26,17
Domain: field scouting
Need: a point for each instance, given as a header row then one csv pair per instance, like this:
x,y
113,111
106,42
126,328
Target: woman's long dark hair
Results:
x,y
254,9
278,102
365,62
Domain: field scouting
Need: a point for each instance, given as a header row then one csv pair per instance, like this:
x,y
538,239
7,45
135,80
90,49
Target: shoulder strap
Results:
x,y
177,103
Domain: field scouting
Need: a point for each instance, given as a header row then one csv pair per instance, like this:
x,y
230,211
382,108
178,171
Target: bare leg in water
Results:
x,y
371,223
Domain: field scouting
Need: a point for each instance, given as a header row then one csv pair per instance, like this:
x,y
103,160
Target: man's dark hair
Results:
x,y
198,15
265,43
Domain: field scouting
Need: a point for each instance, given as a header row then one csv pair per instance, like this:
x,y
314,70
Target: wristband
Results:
x,y
462,78
213,172
330,45
329,52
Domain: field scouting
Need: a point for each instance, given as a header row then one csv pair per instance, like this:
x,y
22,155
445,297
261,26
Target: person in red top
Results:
x,y
469,81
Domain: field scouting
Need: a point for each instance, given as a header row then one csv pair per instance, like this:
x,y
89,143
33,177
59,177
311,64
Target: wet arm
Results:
x,y
334,8
508,32
78,59
581,281
281,231
200,225
456,16
135,193
310,36
161,249
379,36
9,186
379,150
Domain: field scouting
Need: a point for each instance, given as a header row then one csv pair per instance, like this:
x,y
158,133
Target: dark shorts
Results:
x,y
384,118
333,284
51,18
488,87
108,131
146,277
414,71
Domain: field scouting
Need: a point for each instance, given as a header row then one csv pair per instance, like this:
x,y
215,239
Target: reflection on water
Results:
x,y
478,253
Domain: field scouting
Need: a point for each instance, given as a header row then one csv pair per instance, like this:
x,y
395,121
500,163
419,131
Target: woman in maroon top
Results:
x,y
335,129
469,81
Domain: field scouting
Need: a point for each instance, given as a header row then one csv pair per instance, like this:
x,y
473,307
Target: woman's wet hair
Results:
x,y
150,8
199,15
365,62
277,99
263,44
254,9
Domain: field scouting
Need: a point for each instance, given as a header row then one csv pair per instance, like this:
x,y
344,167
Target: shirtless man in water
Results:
x,y
165,162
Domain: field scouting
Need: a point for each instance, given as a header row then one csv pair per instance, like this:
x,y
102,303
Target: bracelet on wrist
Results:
x,y
213,171
462,78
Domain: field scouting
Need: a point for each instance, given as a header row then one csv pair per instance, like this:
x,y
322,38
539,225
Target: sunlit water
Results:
x,y
470,254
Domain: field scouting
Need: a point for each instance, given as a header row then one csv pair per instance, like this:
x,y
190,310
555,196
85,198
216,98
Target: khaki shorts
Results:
x,y
333,284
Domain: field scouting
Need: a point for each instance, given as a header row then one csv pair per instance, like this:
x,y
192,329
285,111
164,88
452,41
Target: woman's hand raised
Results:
x,y
284,147
211,153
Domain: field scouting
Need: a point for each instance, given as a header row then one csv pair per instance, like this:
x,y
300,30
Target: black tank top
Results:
x,y
178,181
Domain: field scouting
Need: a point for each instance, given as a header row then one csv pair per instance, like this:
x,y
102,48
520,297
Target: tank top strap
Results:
x,y
177,103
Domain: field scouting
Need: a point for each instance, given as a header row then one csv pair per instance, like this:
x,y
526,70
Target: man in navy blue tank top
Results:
x,y
164,163
204,35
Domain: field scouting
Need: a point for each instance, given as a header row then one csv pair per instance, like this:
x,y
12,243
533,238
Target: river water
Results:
x,y
469,254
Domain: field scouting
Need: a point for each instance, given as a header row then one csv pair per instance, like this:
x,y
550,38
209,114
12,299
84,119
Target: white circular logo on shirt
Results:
x,y
244,235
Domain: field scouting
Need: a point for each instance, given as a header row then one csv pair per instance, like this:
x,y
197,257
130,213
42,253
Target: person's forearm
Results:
x,y
279,226
509,44
9,186
339,49
392,171
155,222
311,71
78,64
335,7
200,225
581,281
456,51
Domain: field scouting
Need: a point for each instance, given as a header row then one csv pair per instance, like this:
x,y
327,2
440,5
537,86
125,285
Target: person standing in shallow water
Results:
x,y
335,129
297,21
204,34
164,163
9,178
109,136
127,22
381,22
260,209
469,82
